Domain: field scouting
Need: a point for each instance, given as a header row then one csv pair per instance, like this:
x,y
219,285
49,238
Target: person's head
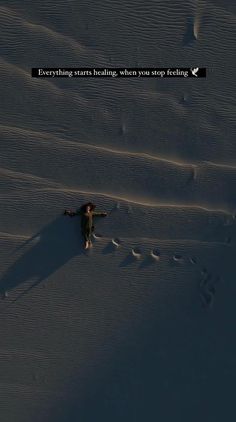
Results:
x,y
88,207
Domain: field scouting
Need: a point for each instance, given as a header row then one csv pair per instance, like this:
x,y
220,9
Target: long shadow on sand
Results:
x,y
43,254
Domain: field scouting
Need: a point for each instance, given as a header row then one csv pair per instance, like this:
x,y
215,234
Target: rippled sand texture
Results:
x,y
141,327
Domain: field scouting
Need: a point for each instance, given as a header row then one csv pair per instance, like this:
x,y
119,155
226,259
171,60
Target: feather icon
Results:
x,y
194,71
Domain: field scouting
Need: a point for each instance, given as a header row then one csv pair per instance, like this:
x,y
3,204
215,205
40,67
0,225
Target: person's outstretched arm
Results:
x,y
70,213
73,213
99,213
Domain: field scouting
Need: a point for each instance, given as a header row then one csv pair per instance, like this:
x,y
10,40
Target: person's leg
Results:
x,y
90,237
87,238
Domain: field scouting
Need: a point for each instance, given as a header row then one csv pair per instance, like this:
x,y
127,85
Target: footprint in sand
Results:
x,y
194,170
228,221
130,210
208,296
184,99
191,32
178,258
208,289
206,277
155,254
192,174
116,242
204,273
97,236
136,252
123,128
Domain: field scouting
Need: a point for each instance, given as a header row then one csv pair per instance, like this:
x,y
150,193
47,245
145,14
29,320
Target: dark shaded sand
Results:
x,y
142,326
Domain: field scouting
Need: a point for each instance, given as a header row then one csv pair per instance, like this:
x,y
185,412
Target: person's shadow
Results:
x,y
43,254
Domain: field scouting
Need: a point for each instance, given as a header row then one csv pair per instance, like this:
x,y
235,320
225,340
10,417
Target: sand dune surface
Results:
x,y
142,326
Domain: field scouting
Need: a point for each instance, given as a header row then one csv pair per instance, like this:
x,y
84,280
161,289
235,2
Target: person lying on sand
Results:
x,y
87,225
